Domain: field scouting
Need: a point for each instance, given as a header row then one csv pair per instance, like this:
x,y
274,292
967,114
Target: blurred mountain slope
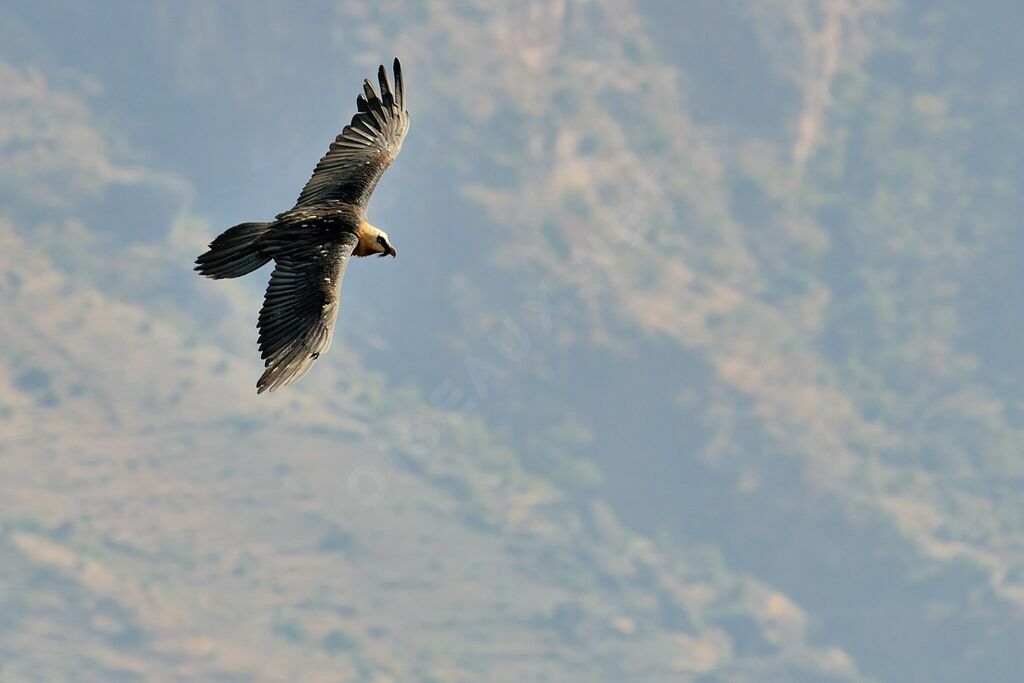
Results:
x,y
745,271
808,284
150,533
162,521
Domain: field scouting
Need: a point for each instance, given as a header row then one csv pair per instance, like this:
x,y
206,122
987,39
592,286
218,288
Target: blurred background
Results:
x,y
699,362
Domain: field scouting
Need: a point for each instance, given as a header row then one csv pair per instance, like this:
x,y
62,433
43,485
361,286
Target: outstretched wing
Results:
x,y
301,304
366,147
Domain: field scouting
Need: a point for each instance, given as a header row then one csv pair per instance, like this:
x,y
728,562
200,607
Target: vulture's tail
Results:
x,y
234,253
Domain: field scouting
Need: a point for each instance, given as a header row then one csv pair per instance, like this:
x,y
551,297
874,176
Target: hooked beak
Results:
x,y
390,252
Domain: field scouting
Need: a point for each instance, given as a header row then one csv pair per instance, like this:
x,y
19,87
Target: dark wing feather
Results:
x,y
366,147
301,304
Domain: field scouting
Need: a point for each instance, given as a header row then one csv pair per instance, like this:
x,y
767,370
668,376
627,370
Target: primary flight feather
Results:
x,y
311,243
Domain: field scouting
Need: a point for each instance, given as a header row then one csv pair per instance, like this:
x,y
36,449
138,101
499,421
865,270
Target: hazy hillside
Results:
x,y
699,362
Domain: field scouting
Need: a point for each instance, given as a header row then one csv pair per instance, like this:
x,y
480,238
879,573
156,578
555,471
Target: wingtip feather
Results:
x,y
399,82
368,90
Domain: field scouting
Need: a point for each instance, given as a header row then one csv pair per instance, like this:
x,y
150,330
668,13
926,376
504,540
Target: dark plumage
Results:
x,y
311,243
366,147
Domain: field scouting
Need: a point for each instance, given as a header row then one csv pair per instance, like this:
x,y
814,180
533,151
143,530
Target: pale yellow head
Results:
x,y
373,240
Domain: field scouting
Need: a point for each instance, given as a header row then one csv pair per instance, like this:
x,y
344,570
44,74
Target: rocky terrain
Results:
x,y
699,362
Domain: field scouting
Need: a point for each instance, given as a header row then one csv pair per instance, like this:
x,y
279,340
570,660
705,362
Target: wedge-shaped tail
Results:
x,y
234,253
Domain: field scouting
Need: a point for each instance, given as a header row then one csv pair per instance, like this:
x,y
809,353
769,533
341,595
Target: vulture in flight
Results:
x,y
311,243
